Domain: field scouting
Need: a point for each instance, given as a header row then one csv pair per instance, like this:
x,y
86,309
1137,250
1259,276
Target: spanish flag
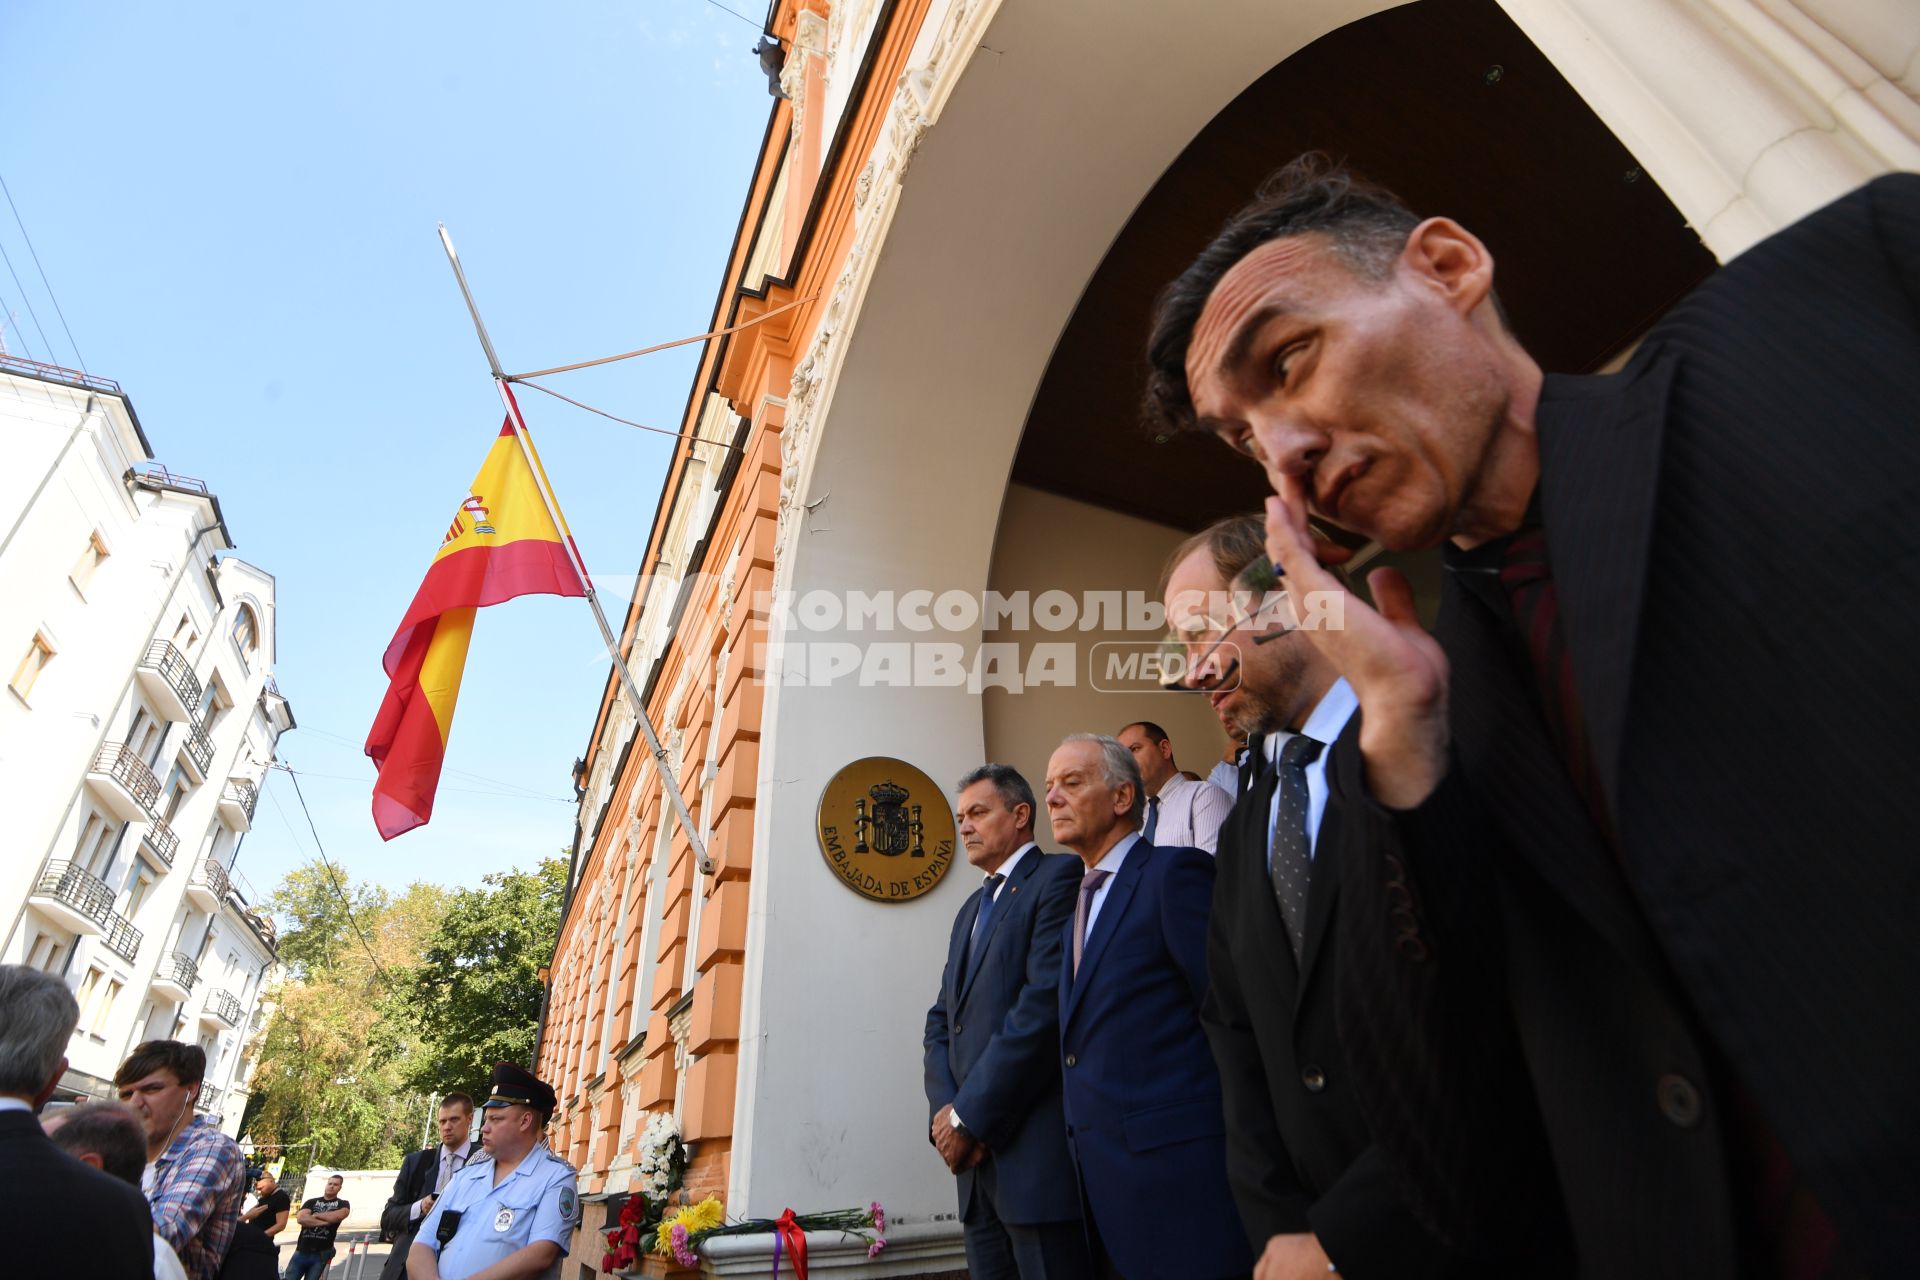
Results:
x,y
502,544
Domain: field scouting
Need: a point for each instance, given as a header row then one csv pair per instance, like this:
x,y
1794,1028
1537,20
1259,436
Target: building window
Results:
x,y
137,892
84,996
94,851
39,654
45,952
185,635
104,1008
89,562
215,704
246,635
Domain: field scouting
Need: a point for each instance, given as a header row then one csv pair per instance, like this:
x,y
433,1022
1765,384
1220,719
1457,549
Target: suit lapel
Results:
x,y
957,949
1119,894
1600,441
1001,908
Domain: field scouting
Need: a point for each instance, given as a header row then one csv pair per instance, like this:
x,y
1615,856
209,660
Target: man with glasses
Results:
x,y
514,1216
1311,1188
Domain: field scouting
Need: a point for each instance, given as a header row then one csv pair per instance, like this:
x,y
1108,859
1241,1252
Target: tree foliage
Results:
x,y
390,999
477,989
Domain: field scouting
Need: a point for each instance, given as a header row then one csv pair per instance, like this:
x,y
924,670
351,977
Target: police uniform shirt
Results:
x,y
537,1201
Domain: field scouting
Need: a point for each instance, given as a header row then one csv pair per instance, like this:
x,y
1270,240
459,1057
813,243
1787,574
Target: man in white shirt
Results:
x,y
424,1176
1180,811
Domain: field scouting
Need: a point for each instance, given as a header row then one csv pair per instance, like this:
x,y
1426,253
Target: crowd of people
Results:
x,y
145,1187
1568,938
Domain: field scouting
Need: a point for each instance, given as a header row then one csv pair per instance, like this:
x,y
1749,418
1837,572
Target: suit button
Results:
x,y
957,1028
1314,1079
1071,1060
1679,1100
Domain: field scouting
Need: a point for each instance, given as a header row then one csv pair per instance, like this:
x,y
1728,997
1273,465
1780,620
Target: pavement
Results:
x,y
359,1255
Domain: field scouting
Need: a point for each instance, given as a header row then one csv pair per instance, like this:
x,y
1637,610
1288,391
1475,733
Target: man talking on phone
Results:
x,y
424,1176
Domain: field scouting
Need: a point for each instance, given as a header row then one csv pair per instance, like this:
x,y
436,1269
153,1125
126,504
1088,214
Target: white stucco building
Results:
x,y
139,720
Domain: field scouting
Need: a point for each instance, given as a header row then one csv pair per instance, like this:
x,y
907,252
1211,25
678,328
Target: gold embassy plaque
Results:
x,y
886,829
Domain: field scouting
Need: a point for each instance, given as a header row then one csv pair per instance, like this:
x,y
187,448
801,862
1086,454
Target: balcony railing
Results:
x,y
200,747
210,1095
226,1005
175,674
214,877
118,763
152,475
79,890
177,970
243,793
57,373
121,937
160,838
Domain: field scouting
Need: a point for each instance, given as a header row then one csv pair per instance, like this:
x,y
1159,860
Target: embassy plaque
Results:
x,y
885,829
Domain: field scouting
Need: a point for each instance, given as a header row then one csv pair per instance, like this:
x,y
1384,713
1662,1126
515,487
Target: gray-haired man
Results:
x,y
62,1217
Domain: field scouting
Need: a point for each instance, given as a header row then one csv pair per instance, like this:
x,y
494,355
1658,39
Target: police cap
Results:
x,y
518,1087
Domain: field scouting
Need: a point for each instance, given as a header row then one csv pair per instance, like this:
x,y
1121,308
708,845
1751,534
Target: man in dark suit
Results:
x,y
62,1218
1643,812
423,1176
1141,1092
992,1043
1312,1189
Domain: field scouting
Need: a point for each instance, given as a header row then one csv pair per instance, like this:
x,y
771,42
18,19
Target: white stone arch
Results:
x,y
1019,143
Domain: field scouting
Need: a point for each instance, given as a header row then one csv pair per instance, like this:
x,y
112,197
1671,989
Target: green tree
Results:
x,y
330,1067
476,991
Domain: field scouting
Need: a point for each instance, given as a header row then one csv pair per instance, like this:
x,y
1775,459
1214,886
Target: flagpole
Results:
x,y
665,765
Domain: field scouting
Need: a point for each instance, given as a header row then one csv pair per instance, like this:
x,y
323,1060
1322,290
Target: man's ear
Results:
x,y
90,1158
1448,257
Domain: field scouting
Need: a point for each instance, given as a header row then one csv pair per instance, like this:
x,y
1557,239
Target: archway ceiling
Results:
x,y
1589,250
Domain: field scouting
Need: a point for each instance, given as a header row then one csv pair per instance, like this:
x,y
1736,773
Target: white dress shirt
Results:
x,y
1191,813
15,1104
1005,869
1111,861
452,1161
1327,722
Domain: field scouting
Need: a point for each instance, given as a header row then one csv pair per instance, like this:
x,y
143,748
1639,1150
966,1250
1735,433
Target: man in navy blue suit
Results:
x,y
992,1044
1142,1094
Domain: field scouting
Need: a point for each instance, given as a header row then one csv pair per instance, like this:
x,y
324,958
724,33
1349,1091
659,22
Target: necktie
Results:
x,y
981,918
448,1167
1089,885
1153,819
1288,860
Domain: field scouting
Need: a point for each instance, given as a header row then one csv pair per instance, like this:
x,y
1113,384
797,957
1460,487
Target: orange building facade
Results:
x,y
957,221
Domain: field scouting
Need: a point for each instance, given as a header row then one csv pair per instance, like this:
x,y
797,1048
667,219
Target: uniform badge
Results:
x,y
503,1219
569,1204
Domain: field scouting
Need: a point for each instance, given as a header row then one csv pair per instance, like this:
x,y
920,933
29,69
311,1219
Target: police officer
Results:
x,y
514,1216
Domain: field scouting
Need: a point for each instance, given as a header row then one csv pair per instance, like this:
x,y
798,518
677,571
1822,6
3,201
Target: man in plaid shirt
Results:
x,y
196,1177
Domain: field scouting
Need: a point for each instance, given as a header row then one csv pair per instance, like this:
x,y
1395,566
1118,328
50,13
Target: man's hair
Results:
x,y
1117,765
1155,734
1232,544
1365,224
37,1016
110,1131
457,1099
335,1177
188,1062
1006,780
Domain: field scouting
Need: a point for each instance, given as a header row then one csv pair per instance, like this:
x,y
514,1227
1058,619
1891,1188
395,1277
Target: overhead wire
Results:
x,y
743,17
54,297
332,874
662,431
8,259
531,793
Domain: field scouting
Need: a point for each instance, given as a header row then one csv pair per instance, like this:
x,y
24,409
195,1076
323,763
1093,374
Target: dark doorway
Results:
x,y
1449,104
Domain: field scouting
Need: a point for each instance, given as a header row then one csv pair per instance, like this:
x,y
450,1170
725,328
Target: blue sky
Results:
x,y
235,205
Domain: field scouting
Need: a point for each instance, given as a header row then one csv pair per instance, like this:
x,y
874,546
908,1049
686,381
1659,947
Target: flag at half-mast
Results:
x,y
502,544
